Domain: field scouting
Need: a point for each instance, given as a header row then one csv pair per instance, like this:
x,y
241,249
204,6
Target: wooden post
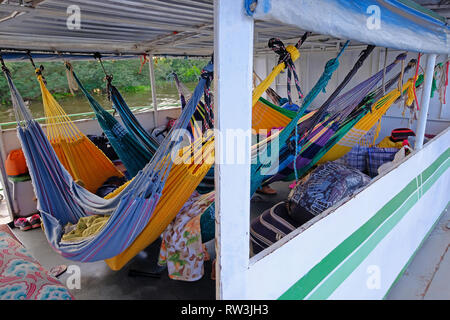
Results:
x,y
233,66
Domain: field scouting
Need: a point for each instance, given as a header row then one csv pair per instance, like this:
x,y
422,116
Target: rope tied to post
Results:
x,y
37,70
287,56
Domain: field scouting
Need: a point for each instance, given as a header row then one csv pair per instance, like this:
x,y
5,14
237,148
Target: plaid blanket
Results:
x,y
378,156
368,159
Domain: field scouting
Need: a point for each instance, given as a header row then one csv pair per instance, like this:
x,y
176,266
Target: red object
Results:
x,y
144,59
22,224
15,163
171,123
401,134
35,221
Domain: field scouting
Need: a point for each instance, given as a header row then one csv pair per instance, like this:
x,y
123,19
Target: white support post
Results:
x,y
233,65
423,115
153,87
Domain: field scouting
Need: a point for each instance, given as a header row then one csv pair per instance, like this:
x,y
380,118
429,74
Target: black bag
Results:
x,y
271,226
103,144
110,185
322,189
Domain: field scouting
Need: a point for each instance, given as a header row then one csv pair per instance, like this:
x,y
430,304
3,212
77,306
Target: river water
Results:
x,y
167,95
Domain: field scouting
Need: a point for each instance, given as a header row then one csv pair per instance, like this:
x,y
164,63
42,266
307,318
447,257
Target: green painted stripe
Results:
x,y
320,271
415,252
338,277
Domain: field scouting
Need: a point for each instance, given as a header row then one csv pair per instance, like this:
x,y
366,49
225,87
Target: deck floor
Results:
x,y
427,277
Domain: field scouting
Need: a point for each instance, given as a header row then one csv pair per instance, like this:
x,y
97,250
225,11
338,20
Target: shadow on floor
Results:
x,y
100,282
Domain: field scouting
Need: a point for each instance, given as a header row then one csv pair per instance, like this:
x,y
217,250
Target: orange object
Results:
x,y
15,164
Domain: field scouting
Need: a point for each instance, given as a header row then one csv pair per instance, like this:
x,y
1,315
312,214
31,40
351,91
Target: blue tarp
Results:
x,y
396,24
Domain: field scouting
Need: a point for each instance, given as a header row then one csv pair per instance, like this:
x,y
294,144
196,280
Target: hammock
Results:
x,y
371,113
202,115
142,210
86,163
329,117
129,120
266,116
365,119
130,151
256,169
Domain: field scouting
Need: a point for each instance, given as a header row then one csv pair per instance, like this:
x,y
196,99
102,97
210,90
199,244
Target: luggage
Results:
x,y
110,185
103,144
271,226
322,189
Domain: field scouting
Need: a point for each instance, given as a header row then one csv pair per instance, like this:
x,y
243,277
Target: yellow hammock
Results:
x,y
86,163
264,117
367,122
181,183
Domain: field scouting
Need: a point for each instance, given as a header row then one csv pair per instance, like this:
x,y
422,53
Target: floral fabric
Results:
x,y
182,249
23,278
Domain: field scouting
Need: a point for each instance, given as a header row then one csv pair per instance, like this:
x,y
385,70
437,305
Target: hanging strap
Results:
x,y
287,56
415,79
108,77
290,53
320,113
36,69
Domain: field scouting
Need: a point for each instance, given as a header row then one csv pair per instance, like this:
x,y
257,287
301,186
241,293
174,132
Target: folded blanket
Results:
x,y
86,227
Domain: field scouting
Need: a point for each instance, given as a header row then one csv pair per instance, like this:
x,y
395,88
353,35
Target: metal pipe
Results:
x,y
153,86
423,115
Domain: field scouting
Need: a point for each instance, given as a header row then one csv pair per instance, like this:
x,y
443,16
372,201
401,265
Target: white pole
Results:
x,y
233,66
151,66
423,115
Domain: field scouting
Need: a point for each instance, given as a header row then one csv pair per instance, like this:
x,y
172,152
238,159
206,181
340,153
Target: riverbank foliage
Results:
x,y
129,75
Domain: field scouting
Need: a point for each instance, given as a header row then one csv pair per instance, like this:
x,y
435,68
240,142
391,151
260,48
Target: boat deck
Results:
x,y
426,277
